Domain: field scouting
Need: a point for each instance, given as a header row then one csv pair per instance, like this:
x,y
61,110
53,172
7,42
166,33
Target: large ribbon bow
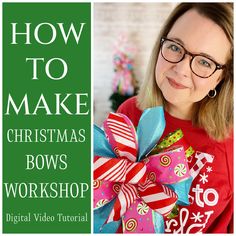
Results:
x,y
132,170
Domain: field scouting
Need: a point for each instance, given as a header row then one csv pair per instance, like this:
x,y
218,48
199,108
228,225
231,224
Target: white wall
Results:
x,y
141,22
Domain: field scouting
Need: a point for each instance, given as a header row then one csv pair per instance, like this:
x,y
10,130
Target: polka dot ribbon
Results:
x,y
174,139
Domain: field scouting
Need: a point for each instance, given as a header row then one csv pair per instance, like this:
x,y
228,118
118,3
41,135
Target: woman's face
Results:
x,y
199,35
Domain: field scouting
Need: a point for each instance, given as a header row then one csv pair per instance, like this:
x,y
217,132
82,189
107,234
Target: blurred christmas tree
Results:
x,y
124,84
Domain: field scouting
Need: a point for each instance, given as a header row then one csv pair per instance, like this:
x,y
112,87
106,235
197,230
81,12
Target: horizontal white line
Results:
x,y
118,126
124,141
117,122
155,197
123,135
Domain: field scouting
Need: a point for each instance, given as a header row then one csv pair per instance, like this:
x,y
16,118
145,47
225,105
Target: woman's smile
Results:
x,y
175,84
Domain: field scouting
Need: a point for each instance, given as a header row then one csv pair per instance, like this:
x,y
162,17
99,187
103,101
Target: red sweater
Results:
x,y
211,194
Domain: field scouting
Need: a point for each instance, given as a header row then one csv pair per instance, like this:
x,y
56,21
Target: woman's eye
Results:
x,y
174,48
204,63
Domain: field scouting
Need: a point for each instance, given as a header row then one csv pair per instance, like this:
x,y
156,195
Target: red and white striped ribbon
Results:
x,y
127,195
122,136
119,170
158,197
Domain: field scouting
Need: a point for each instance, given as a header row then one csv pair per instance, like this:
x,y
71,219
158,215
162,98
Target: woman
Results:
x,y
191,75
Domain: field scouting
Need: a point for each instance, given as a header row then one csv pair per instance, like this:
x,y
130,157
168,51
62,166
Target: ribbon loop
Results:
x,y
119,170
122,136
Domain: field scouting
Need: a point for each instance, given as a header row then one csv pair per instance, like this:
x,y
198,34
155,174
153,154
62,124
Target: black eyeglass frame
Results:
x,y
218,66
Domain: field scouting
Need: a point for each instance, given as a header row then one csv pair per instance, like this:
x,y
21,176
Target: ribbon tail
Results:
x,y
182,190
158,197
127,195
158,222
100,217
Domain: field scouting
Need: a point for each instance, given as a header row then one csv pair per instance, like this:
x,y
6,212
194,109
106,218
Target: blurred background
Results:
x,y
124,35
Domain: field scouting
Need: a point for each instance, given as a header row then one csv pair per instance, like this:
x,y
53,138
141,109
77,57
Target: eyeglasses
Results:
x,y
200,65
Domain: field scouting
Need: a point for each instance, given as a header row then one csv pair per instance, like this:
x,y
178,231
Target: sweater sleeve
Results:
x,y
229,152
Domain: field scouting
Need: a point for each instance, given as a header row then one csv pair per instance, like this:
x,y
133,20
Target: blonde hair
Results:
x,y
214,115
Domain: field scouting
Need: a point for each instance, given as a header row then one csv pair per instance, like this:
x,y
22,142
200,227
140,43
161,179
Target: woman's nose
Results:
x,y
183,67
